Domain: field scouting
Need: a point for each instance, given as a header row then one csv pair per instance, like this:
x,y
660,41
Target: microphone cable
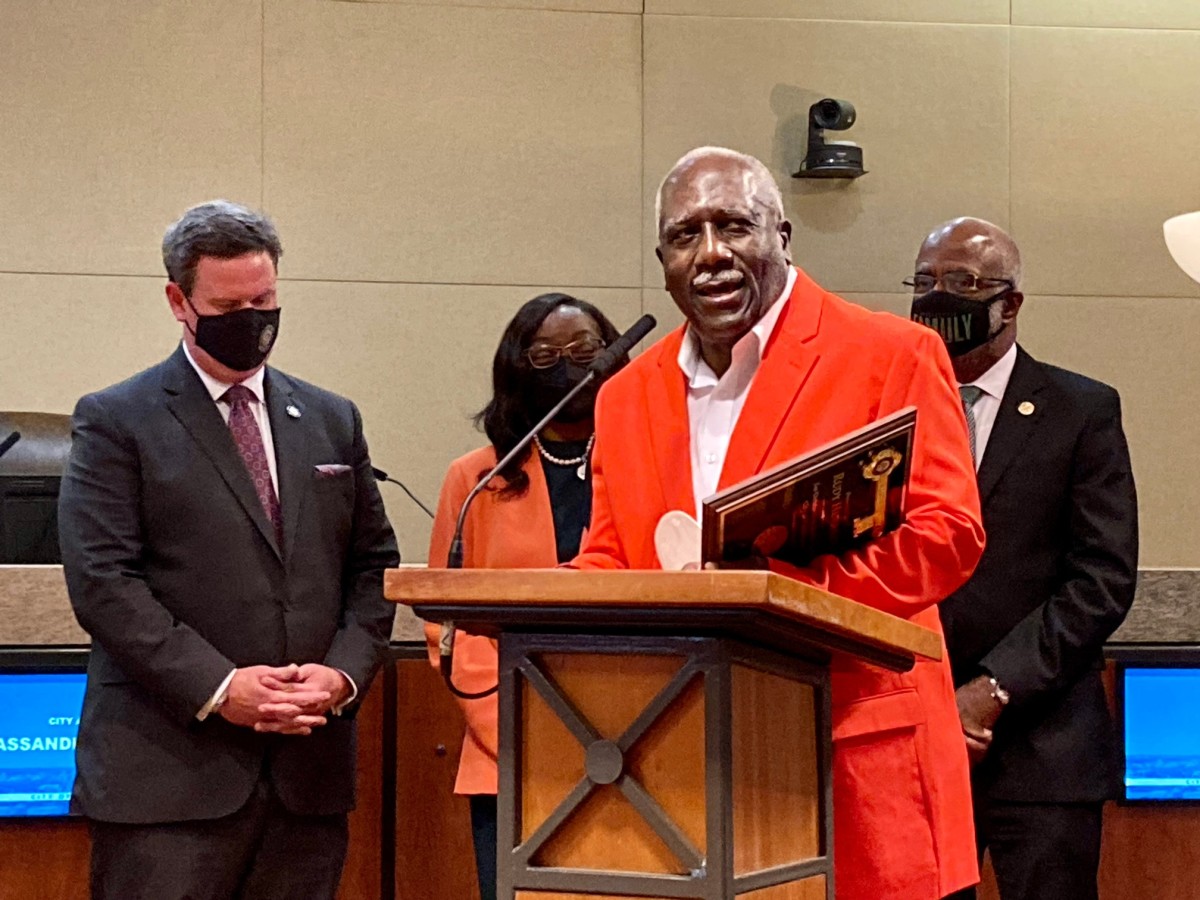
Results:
x,y
381,475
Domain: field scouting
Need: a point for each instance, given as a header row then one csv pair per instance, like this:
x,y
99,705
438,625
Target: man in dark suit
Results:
x,y
224,543
1026,632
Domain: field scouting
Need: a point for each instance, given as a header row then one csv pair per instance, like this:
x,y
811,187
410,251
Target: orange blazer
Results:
x,y
498,534
903,824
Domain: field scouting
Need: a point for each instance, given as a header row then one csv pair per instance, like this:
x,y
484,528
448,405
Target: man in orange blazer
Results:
x,y
768,366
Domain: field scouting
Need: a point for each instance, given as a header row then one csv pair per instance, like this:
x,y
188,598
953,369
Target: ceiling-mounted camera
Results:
x,y
831,159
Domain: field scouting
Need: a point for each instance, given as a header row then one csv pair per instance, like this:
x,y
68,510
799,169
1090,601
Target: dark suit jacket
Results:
x,y
1056,579
173,568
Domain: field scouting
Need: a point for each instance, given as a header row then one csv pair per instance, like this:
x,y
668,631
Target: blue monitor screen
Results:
x,y
39,719
1162,746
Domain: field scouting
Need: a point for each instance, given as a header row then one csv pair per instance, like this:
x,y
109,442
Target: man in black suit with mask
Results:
x,y
224,543
1025,633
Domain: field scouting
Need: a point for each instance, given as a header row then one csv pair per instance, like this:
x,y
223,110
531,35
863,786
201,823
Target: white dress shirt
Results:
x,y
714,404
993,383
216,390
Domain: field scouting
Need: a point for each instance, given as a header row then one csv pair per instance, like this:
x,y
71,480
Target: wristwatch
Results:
x,y
999,694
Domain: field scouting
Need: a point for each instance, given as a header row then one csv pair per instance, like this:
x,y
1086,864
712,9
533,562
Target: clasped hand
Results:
x,y
284,699
978,710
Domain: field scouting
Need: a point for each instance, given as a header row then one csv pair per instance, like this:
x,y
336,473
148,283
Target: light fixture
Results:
x,y
1182,234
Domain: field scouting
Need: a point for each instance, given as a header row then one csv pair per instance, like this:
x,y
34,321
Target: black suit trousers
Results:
x,y
1039,851
260,852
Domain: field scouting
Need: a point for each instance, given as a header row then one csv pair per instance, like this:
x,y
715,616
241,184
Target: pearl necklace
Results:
x,y
580,461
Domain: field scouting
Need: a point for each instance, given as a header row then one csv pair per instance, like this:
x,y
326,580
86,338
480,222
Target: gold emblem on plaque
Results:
x,y
877,469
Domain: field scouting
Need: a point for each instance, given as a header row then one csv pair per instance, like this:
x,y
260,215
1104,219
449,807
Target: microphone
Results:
x,y
8,442
606,361
600,367
381,475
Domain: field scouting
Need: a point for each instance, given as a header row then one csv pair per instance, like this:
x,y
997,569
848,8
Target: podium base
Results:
x,y
661,767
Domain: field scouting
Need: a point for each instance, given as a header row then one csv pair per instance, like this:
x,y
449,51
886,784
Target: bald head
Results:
x,y
724,245
986,250
756,179
977,267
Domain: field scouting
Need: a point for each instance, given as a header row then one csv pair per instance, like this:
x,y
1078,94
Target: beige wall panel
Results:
x,y
66,335
1145,348
984,12
616,6
1108,13
936,143
417,361
449,144
897,304
1104,138
659,304
118,116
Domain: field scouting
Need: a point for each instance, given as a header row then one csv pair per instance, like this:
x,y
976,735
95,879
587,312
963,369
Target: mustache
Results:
x,y
725,276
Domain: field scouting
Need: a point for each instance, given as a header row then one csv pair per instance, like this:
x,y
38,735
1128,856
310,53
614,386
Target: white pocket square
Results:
x,y
330,470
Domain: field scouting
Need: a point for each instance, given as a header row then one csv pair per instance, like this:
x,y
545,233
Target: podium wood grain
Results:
x,y
782,597
813,889
776,774
610,692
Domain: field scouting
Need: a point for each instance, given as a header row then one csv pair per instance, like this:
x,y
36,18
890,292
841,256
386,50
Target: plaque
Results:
x,y
832,499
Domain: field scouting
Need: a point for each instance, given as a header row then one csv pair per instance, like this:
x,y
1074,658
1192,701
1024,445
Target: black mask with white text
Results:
x,y
963,323
241,339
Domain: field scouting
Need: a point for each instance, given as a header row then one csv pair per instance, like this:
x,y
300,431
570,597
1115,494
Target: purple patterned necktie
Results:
x,y
249,442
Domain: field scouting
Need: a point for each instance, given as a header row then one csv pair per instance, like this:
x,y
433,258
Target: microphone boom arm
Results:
x,y
454,559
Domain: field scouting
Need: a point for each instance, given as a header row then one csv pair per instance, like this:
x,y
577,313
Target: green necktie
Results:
x,y
970,396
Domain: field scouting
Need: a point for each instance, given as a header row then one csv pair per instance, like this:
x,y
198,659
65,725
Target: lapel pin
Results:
x,y
1026,408
294,411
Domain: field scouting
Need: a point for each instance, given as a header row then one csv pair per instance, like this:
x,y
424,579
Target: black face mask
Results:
x,y
548,386
241,339
962,322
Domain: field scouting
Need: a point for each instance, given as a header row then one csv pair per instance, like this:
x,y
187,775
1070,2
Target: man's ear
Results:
x,y
785,237
1012,306
177,302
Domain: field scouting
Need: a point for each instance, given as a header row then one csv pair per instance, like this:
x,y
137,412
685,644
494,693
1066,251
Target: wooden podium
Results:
x,y
663,734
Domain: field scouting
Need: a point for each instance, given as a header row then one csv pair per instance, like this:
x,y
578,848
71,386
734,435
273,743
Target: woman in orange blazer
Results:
x,y
535,517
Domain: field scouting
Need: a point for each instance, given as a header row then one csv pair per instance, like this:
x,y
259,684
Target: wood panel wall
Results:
x,y
1148,851
434,855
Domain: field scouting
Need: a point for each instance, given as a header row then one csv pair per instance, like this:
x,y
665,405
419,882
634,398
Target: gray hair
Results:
x,y
762,182
220,229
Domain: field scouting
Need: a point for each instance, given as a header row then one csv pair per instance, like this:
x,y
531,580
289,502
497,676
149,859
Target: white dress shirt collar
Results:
x,y
217,389
994,382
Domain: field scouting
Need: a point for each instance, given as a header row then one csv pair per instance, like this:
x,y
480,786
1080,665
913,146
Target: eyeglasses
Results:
x,y
964,283
543,356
